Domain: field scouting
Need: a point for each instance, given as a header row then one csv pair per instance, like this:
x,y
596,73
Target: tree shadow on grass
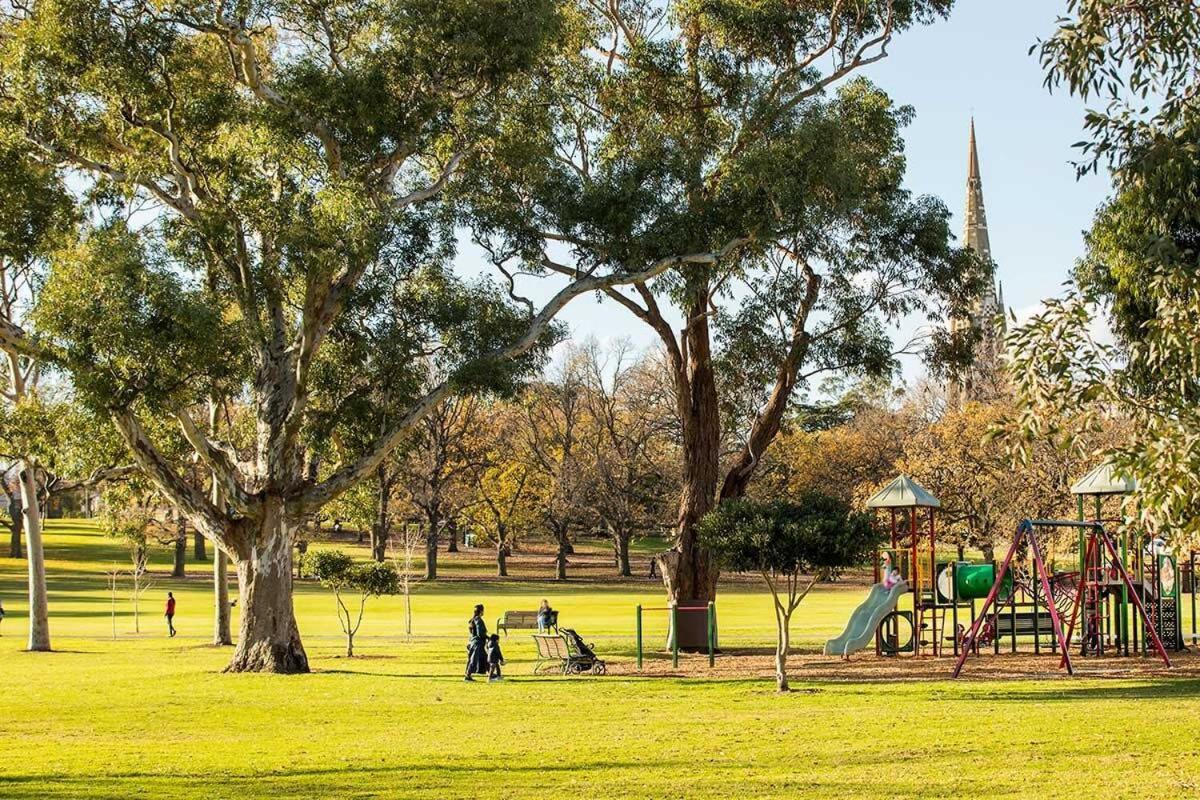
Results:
x,y
1167,689
50,785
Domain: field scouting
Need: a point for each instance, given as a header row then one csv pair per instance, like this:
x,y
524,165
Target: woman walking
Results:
x,y
477,663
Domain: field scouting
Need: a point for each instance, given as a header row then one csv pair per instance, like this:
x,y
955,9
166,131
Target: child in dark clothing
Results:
x,y
495,658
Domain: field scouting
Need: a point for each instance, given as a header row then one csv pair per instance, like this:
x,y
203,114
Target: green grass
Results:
x,y
147,716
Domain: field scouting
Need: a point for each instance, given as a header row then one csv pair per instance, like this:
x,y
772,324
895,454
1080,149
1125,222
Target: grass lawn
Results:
x,y
146,716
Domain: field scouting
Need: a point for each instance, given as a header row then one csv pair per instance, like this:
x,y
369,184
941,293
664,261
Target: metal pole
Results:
x,y
674,636
933,620
991,598
1037,621
639,638
1082,546
954,602
711,631
1192,584
912,530
1040,567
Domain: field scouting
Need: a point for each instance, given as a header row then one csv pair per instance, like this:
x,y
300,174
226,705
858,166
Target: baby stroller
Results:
x,y
581,657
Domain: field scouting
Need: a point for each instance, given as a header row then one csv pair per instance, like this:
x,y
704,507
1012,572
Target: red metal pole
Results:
x,y
991,598
1079,597
1040,565
933,632
916,582
1137,601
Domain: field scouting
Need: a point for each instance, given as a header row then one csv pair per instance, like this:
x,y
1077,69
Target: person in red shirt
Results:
x,y
171,613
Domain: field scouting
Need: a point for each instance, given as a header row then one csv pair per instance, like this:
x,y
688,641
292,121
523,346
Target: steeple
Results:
x,y
975,230
982,379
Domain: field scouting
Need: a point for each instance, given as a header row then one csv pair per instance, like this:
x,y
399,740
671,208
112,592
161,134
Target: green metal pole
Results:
x,y
674,636
711,630
639,638
1082,545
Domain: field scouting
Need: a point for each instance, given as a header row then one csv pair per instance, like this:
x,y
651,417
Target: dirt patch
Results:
x,y
867,667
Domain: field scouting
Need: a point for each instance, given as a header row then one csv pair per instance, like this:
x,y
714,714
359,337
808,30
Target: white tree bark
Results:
x,y
268,639
39,612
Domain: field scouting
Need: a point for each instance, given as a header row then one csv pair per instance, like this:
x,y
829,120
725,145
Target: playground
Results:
x,y
159,720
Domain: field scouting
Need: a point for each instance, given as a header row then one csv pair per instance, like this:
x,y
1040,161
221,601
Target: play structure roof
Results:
x,y
1104,480
903,492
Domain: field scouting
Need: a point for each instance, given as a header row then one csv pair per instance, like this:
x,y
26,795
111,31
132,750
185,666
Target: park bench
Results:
x,y
552,652
1025,623
523,620
557,651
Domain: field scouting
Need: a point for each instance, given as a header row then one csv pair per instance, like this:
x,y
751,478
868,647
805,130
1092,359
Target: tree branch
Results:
x,y
316,496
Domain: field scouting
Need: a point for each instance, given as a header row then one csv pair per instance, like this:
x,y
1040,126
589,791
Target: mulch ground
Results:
x,y
867,667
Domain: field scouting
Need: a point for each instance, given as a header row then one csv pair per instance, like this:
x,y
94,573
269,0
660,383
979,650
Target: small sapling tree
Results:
x,y
787,542
404,549
339,572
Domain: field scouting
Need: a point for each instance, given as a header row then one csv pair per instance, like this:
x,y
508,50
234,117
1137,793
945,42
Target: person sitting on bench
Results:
x,y
545,618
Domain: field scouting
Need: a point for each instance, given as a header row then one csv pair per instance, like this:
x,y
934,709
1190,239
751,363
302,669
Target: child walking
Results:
x,y
495,658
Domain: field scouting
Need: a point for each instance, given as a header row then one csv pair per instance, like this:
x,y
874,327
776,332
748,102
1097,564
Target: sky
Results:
x,y
975,63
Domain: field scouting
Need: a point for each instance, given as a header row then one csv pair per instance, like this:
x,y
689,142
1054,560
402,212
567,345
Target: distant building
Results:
x,y
981,381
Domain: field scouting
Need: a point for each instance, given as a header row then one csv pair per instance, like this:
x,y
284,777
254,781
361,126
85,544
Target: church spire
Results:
x,y
975,230
982,378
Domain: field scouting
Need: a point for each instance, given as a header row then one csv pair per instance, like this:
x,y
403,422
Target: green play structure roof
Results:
x,y
1104,479
903,492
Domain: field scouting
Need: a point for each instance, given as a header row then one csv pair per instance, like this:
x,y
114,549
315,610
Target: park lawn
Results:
x,y
147,716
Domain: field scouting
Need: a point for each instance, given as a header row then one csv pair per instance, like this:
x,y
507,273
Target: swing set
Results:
x,y
1100,563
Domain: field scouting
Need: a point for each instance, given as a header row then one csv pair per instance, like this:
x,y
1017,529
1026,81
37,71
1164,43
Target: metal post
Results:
x,y
674,636
954,601
1082,546
712,622
639,638
1037,620
933,620
1192,584
916,572
989,600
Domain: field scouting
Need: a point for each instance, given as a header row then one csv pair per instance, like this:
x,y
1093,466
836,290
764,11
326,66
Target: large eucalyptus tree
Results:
x,y
735,128
35,215
293,153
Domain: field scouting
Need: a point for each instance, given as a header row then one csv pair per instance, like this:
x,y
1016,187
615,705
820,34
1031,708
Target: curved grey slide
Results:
x,y
860,630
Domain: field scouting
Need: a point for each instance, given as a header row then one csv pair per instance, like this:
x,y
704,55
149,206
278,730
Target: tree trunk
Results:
x,y
18,525
782,645
989,552
349,645
380,530
222,634
502,561
39,615
431,550
178,569
621,541
268,640
452,530
560,559
199,549
689,572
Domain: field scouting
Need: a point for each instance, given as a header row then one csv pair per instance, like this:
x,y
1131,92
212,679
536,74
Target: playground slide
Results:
x,y
860,630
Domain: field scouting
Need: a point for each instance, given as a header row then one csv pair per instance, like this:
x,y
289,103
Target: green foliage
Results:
x,y
816,534
1139,59
338,571
127,328
35,209
1142,259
